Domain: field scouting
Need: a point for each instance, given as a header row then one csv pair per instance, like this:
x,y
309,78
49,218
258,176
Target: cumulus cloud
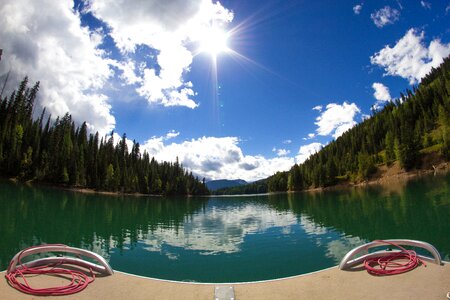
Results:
x,y
410,58
310,136
50,45
281,152
168,27
306,151
216,158
287,142
357,9
172,134
336,119
128,71
386,15
381,94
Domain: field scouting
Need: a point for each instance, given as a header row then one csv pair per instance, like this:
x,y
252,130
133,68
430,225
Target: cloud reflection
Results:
x,y
335,243
336,249
223,230
219,230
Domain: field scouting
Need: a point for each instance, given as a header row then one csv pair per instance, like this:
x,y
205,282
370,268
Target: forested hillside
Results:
x,y
224,183
257,187
406,130
61,153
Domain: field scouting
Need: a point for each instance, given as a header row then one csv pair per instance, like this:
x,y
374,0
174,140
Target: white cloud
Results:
x,y
318,108
410,58
49,45
357,9
381,94
306,151
52,47
287,142
172,134
336,119
281,152
386,15
128,71
169,27
310,136
425,4
217,158
365,117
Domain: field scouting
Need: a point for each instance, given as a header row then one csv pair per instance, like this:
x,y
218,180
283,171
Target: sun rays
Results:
x,y
214,41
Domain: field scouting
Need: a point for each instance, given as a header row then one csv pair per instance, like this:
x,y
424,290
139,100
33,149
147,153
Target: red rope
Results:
x,y
390,265
79,280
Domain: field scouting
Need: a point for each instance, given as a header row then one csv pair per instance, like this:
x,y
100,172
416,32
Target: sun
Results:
x,y
214,41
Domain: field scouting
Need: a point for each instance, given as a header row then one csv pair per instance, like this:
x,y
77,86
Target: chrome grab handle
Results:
x,y
349,261
102,268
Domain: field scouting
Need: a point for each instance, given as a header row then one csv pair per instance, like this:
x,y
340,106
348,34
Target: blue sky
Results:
x,y
291,76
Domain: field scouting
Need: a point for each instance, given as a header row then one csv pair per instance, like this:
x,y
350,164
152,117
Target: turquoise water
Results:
x,y
225,239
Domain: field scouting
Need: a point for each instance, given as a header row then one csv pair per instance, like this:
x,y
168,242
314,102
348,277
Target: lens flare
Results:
x,y
214,41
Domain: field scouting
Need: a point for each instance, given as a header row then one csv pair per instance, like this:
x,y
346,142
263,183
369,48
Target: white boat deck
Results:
x,y
430,282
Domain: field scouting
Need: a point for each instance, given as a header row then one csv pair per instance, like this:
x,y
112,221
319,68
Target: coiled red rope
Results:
x,y
79,280
397,263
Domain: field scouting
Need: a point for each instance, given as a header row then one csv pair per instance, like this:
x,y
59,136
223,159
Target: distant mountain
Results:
x,y
256,187
224,183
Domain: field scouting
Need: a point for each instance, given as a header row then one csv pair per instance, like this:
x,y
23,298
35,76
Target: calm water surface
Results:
x,y
225,239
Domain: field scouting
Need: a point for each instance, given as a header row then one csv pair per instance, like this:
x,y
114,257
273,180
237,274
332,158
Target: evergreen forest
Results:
x,y
58,152
410,131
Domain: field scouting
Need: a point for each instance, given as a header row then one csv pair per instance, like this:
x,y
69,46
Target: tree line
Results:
x,y
406,130
61,153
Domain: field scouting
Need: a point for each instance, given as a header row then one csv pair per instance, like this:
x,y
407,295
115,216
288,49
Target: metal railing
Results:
x,y
102,267
352,259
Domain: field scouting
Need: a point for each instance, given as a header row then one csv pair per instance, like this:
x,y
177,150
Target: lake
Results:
x,y
229,239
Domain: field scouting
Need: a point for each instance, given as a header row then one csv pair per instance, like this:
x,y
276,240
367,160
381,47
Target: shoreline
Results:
x,y
83,190
387,176
441,168
107,193
384,176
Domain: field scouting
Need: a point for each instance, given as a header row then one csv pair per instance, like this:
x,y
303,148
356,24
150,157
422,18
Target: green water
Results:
x,y
225,239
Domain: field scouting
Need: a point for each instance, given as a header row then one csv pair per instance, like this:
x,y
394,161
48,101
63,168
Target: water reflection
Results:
x,y
219,228
417,209
30,216
171,237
